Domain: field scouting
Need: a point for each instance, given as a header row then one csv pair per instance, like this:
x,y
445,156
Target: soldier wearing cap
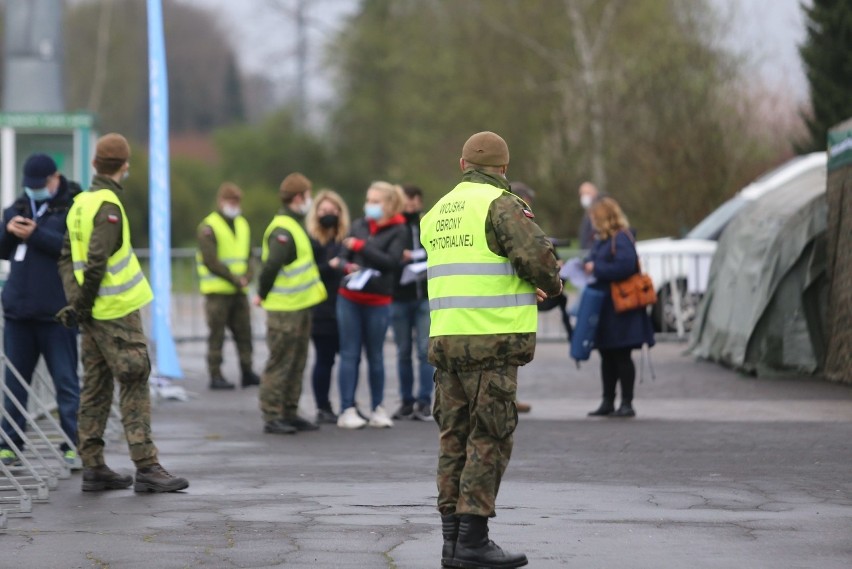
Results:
x,y
288,286
488,264
105,287
224,271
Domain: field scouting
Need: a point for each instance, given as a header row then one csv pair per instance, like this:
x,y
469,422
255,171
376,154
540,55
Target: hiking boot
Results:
x,y
625,410
219,382
405,411
279,427
350,419
102,478
72,460
302,425
474,549
249,379
450,530
422,411
606,408
9,458
154,478
326,416
379,418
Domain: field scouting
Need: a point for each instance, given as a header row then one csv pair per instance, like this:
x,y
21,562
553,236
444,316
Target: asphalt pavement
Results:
x,y
718,470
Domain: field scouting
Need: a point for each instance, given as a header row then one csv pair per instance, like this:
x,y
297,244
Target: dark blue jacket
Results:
x,y
33,290
629,329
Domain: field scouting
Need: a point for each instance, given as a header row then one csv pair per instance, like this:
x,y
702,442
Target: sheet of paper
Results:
x,y
572,271
358,279
413,272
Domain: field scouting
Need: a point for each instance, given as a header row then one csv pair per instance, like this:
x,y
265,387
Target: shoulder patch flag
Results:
x,y
282,238
112,218
528,213
207,231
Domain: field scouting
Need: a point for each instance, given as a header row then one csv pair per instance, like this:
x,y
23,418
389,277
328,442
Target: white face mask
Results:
x,y
586,201
231,211
306,207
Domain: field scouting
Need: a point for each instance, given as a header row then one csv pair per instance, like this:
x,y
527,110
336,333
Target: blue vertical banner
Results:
x,y
159,200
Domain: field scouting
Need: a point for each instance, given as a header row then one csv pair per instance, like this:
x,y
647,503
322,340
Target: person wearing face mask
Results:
x,y
588,193
224,272
106,289
288,287
327,224
31,240
374,247
410,317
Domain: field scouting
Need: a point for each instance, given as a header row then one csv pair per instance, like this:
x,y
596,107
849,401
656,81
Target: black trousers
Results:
x,y
617,366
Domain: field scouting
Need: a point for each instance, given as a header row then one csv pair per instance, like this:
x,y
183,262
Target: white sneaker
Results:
x,y
379,418
350,419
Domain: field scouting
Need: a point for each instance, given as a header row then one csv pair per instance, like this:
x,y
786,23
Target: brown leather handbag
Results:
x,y
636,291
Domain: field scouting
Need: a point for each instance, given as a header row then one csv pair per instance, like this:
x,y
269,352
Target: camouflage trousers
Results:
x,y
115,350
476,416
287,337
231,310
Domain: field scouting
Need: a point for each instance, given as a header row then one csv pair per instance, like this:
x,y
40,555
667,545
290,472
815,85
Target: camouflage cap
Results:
x,y
229,191
293,185
486,149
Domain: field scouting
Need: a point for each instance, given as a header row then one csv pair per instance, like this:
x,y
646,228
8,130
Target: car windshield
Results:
x,y
711,227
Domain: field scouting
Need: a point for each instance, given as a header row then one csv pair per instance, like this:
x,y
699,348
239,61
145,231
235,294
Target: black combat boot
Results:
x,y
279,427
154,478
607,408
219,382
475,550
301,425
625,410
249,378
450,529
103,478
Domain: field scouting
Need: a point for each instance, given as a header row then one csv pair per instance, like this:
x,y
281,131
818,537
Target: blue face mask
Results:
x,y
373,211
38,195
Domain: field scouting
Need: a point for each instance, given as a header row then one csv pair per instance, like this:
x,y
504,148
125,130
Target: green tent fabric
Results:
x,y
764,309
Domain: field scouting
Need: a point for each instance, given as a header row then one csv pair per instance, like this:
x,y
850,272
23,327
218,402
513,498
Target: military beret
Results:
x,y
486,149
112,146
293,185
229,191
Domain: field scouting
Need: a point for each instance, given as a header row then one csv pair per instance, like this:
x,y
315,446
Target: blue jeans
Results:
x,y
410,321
24,341
361,326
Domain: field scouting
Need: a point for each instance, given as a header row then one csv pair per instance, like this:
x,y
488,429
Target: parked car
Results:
x,y
680,268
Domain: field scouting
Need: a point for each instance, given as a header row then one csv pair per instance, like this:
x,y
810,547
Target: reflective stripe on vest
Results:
x,y
124,287
472,290
232,249
297,285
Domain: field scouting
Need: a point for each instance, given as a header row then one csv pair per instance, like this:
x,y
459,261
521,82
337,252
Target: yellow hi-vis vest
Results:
x,y
472,291
232,249
124,287
297,285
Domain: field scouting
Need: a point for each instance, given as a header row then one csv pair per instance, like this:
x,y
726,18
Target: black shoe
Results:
x,y
302,425
326,416
405,411
154,478
450,530
279,427
250,379
219,382
474,549
625,410
422,411
605,409
102,478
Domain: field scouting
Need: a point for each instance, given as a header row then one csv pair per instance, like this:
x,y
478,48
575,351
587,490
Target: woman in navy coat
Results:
x,y
613,258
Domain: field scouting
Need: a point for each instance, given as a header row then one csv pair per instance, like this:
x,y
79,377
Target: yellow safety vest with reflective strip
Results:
x,y
124,287
232,249
472,290
297,285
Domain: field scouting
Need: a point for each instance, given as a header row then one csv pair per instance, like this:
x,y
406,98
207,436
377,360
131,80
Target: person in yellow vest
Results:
x,y
224,271
105,288
288,286
488,264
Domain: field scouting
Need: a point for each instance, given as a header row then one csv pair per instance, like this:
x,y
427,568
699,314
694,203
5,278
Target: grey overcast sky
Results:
x,y
766,31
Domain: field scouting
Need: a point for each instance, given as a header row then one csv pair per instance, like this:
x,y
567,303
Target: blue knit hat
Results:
x,y
36,170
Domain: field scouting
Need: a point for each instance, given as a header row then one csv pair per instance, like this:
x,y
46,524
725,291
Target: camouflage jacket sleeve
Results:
x,y
105,240
66,272
210,257
282,251
510,231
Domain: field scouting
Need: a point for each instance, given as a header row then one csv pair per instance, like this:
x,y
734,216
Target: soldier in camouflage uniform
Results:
x,y
288,286
477,369
224,270
105,288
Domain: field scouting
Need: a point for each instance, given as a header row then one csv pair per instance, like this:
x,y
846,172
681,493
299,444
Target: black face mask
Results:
x,y
412,216
328,221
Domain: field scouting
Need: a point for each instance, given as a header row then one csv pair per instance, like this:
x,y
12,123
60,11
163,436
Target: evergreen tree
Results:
x,y
827,56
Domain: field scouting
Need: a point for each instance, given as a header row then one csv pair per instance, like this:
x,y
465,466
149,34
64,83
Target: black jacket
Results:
x,y
416,290
324,314
34,290
382,251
